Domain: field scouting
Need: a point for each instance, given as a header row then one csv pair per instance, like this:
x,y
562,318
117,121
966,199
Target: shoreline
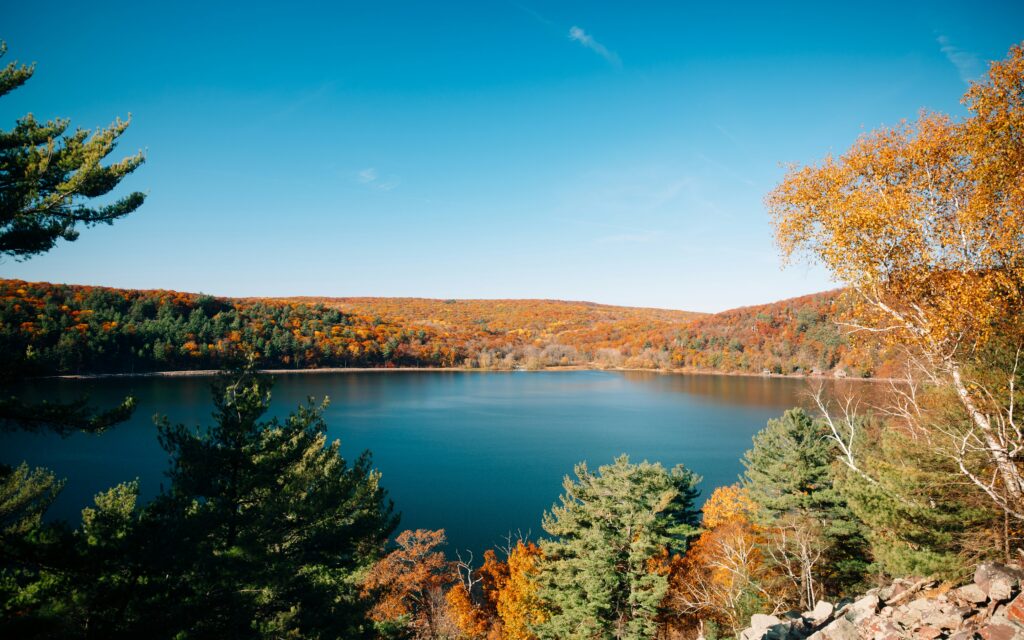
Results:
x,y
208,373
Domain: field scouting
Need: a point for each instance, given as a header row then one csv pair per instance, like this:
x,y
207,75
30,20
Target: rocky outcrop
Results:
x,y
991,607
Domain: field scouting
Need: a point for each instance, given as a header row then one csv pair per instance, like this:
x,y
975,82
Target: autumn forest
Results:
x,y
62,329
265,525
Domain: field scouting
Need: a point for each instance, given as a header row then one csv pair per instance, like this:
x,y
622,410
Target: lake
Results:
x,y
479,454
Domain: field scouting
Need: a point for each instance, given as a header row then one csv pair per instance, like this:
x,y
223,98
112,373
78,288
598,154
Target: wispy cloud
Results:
x,y
730,136
372,179
576,34
966,62
631,194
534,14
631,208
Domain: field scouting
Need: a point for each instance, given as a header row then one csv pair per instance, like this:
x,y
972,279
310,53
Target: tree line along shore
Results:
x,y
52,329
265,530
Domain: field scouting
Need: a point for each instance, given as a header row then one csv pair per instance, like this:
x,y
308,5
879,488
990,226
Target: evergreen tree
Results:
x,y
268,523
64,583
789,474
599,577
47,174
25,586
918,523
25,495
47,178
264,532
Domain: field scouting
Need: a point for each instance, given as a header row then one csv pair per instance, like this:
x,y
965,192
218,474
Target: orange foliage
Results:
x,y
723,576
409,581
507,603
517,603
469,618
128,330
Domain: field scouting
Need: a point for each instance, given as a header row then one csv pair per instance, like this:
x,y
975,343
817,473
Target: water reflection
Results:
x,y
761,391
476,453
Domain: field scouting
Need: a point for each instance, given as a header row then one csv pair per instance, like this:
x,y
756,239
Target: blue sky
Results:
x,y
613,152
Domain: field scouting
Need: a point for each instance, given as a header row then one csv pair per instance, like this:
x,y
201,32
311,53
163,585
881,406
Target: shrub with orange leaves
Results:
x,y
504,603
409,582
517,602
724,576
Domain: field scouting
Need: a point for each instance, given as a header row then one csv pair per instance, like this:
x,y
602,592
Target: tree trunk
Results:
x,y
997,451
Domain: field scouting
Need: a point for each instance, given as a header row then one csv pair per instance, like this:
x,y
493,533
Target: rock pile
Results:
x,y
989,608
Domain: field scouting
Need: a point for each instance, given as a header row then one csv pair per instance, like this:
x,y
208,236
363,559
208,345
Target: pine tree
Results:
x,y
265,525
918,522
25,495
47,174
789,474
47,179
264,532
598,577
67,583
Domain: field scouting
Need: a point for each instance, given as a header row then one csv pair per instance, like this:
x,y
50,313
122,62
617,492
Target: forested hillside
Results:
x,y
68,329
798,335
264,529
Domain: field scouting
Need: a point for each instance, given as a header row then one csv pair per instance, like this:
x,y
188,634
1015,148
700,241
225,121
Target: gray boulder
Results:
x,y
840,629
763,621
861,609
822,611
939,619
971,593
759,625
998,581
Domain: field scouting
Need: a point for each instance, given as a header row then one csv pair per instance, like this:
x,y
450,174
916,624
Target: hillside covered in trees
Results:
x,y
264,529
68,329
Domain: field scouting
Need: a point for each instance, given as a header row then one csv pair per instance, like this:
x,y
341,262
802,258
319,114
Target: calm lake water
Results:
x,y
478,454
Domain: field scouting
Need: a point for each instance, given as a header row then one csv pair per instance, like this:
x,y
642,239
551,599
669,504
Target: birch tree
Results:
x,y
924,222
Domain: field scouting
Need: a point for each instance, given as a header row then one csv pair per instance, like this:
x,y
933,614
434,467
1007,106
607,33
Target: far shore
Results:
x,y
199,373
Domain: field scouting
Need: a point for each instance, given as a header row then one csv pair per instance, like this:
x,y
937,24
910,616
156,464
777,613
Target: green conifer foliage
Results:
x,y
63,583
47,175
789,474
270,523
264,532
25,495
918,522
26,587
600,578
49,180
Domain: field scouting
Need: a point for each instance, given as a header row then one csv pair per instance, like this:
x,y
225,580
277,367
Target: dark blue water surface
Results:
x,y
478,454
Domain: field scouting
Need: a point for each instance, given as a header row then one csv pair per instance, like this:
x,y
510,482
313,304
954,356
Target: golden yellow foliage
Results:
x,y
724,573
727,504
517,602
926,222
925,219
